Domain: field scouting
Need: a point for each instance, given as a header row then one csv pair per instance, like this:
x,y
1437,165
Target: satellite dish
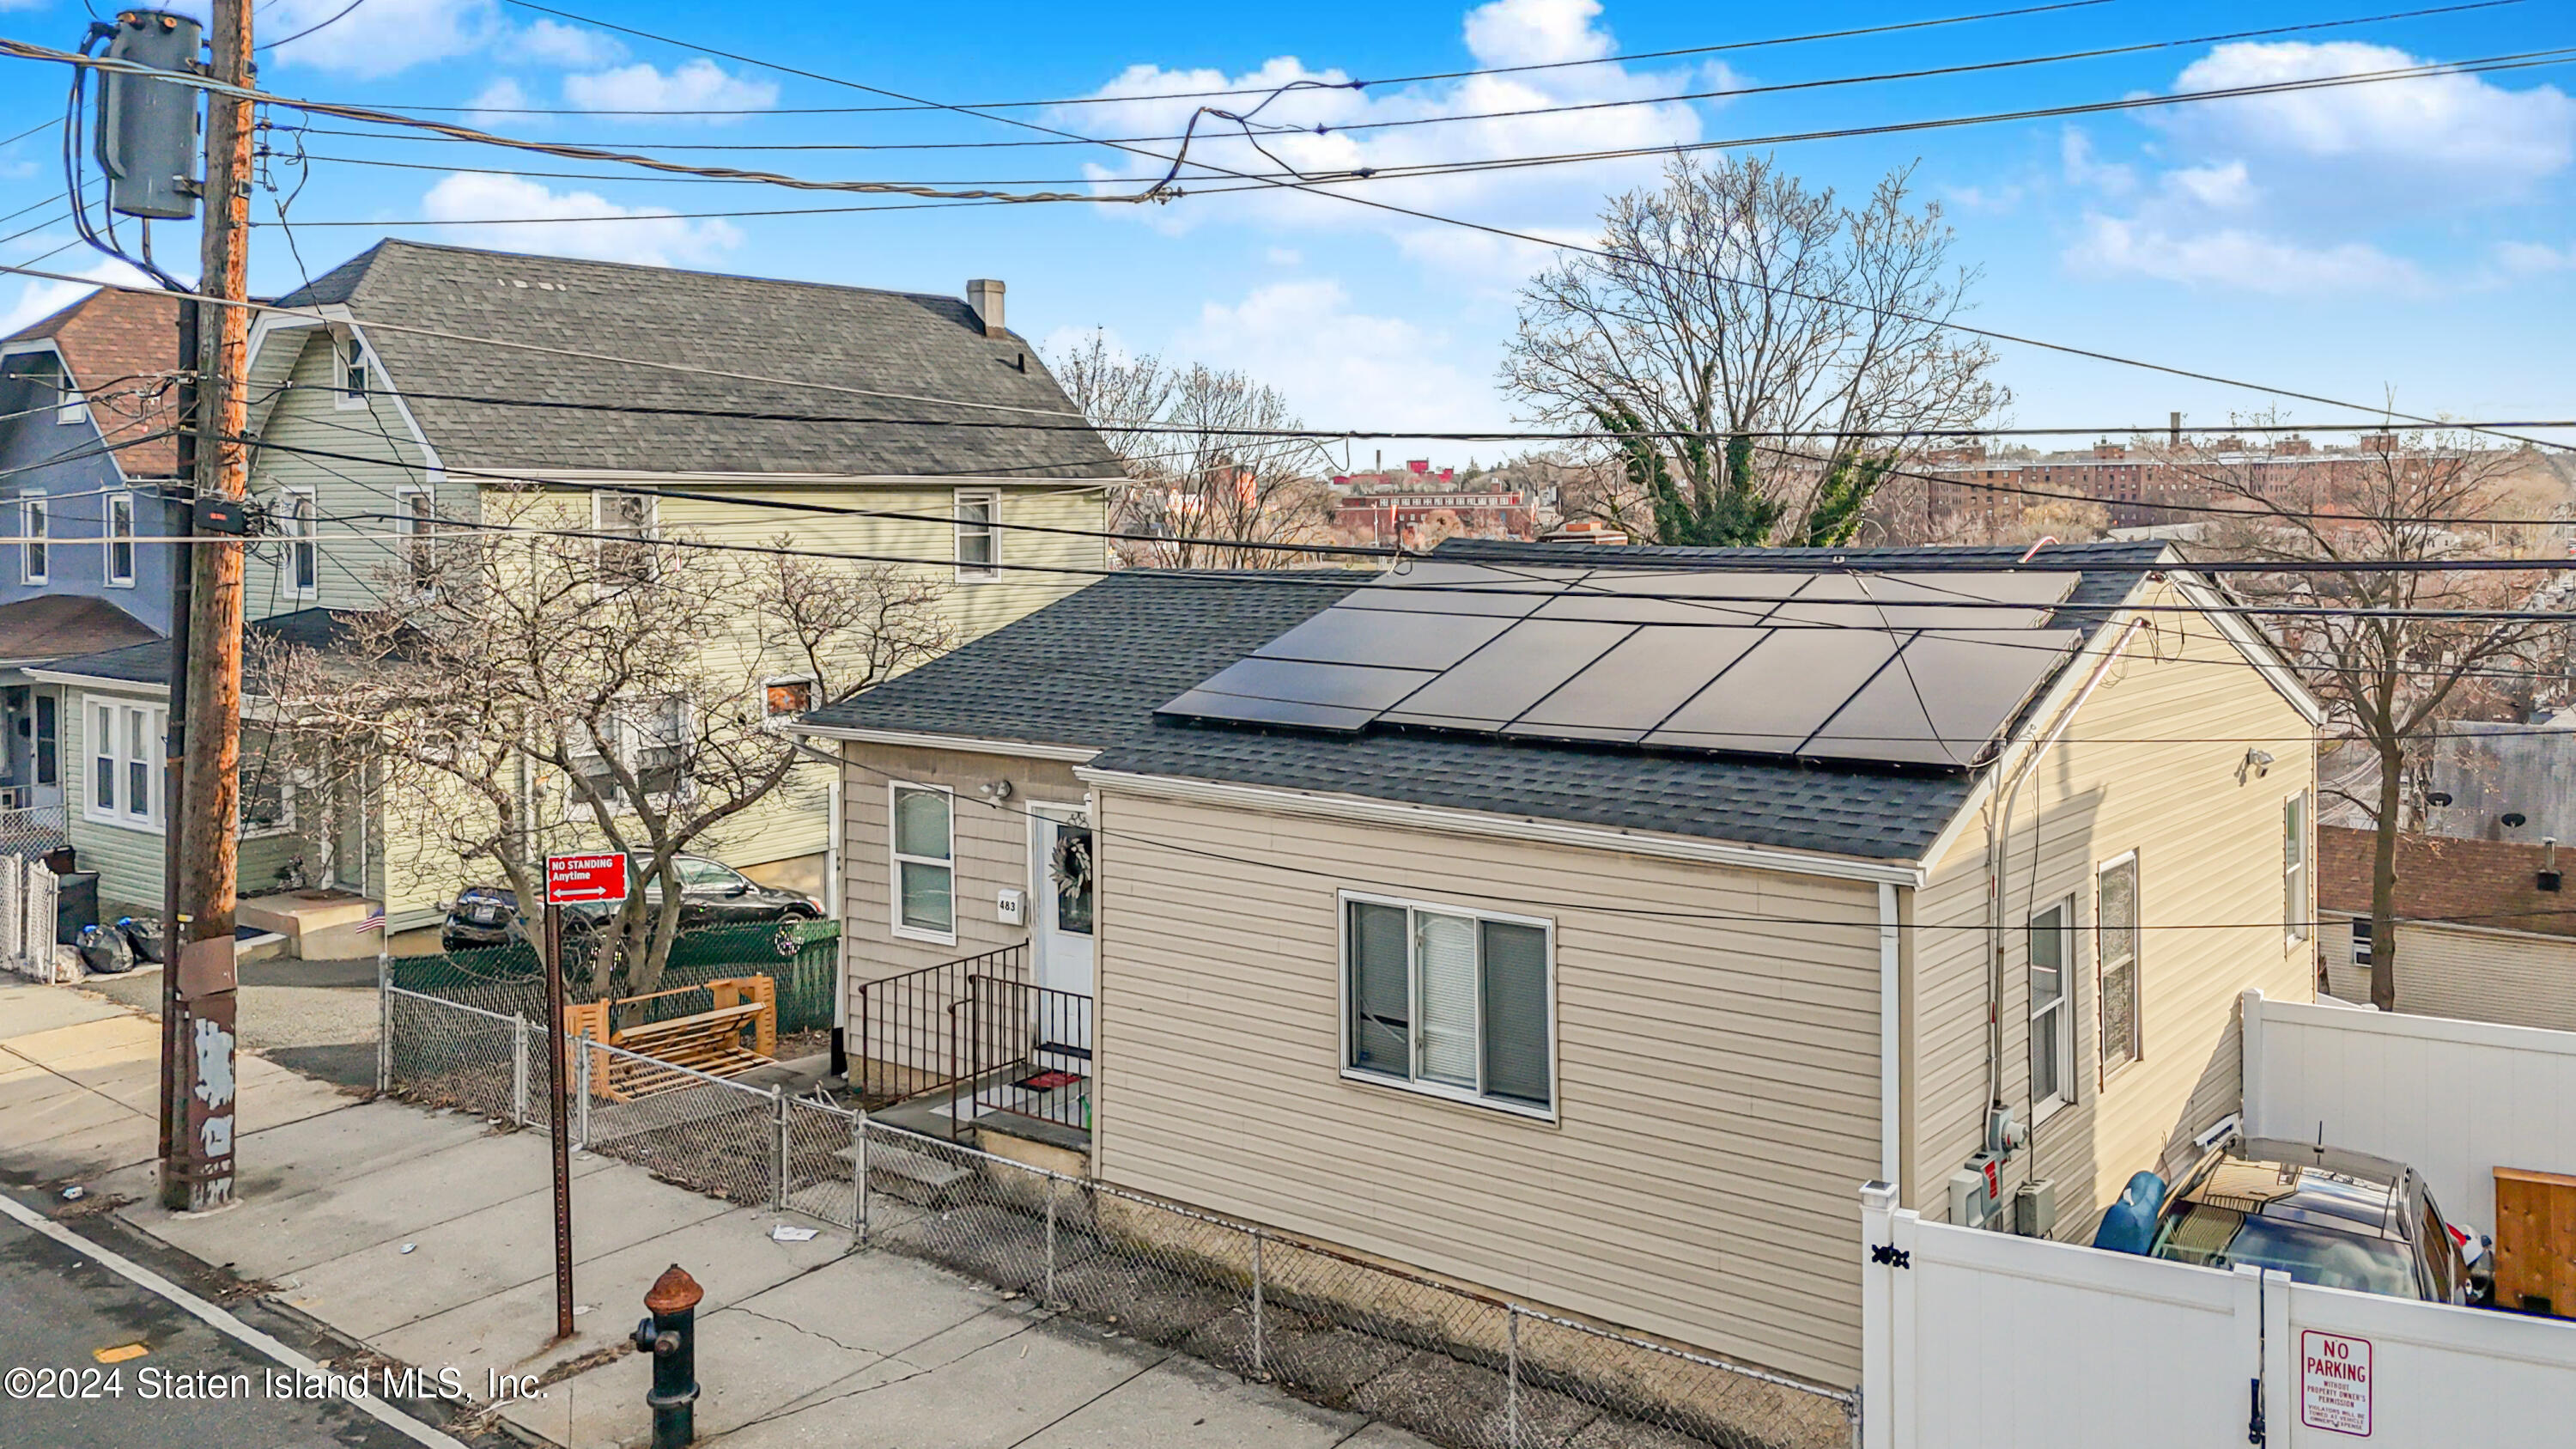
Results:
x,y
2437,798
2515,820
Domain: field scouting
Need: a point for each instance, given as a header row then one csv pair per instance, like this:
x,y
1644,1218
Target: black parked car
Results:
x,y
2322,1215
711,894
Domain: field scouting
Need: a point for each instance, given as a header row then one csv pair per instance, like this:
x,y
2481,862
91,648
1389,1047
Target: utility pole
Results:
x,y
199,1174
178,515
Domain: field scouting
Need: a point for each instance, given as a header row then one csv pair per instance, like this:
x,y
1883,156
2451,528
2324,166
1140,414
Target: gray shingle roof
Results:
x,y
1090,670
149,662
894,342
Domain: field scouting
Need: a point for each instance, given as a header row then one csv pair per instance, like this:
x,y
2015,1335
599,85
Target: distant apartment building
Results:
x,y
1392,505
2137,488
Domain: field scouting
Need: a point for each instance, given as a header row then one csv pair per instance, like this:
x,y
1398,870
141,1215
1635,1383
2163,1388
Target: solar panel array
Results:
x,y
1908,668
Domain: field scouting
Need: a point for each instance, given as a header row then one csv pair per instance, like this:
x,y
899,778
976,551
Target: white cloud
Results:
x,y
1283,257
551,42
502,103
2221,188
39,298
1303,338
2458,131
1536,32
2529,257
574,223
2085,169
1506,32
380,37
698,84
2240,259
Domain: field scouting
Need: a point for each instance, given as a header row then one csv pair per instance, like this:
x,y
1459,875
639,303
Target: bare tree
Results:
x,y
531,688
1207,469
1733,305
2390,659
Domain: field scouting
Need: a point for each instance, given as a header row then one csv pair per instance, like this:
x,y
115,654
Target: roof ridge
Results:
x,y
547,258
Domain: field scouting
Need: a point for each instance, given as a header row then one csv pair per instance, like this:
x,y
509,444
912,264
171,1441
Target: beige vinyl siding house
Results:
x,y
1757,984
382,419
2144,777
1716,1097
2485,929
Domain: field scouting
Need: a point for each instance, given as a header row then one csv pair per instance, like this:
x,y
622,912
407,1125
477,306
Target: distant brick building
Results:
x,y
2137,489
1385,507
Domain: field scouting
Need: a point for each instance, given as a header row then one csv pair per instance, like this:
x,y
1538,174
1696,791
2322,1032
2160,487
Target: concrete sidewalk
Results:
x,y
428,1236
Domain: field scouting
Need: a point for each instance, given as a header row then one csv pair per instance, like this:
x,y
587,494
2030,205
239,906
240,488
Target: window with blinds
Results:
x,y
2116,922
1449,1001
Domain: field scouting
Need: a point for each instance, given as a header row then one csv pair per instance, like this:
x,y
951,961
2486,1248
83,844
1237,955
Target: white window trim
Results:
x,y
2137,965
617,803
775,719
895,860
1439,1090
2299,926
343,397
2069,966
107,540
157,771
36,535
650,531
416,530
285,810
296,540
992,530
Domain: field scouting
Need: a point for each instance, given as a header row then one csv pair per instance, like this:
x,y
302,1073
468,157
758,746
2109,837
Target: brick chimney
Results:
x,y
985,296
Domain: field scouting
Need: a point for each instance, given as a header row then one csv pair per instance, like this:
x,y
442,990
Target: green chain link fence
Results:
x,y
799,955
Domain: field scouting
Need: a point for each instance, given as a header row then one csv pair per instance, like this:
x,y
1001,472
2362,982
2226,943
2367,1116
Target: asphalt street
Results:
x,y
62,1309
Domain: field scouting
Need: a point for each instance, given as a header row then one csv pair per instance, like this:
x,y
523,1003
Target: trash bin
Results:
x,y
75,904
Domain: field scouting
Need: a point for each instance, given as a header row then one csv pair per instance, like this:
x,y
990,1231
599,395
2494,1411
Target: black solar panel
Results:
x,y
1922,668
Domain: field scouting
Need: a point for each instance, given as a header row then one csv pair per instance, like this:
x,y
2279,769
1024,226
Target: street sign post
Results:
x,y
598,878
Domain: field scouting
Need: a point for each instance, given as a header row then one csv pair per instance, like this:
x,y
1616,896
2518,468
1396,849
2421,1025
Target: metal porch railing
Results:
x,y
903,1038
1027,1050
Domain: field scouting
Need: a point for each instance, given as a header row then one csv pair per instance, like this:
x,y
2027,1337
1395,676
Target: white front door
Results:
x,y
1063,873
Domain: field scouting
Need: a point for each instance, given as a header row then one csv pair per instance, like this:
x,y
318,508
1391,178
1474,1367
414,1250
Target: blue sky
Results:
x,y
2413,240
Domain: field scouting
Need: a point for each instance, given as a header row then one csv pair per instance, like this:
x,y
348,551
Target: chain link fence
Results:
x,y
800,956
1456,1366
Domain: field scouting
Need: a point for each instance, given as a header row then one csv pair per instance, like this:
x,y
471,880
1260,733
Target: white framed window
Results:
x,y
2115,930
624,525
267,790
35,526
126,762
2052,1011
2294,867
49,742
298,515
352,371
2361,929
653,738
120,540
923,834
979,544
783,699
416,524
46,370
1454,1003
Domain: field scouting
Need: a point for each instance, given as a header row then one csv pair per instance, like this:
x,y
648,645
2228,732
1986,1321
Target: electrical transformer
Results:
x,y
147,129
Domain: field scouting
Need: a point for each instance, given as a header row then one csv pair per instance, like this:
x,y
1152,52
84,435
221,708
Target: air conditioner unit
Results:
x,y
13,797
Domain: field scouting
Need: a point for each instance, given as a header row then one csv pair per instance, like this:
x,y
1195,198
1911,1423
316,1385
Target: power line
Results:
x,y
1097,100
1554,243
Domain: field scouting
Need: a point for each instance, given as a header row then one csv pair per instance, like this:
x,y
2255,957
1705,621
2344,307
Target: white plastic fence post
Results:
x,y
1878,1326
1512,1384
384,1008
519,1069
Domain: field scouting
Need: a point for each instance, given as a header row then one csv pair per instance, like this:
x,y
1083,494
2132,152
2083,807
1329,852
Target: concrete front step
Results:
x,y
916,1177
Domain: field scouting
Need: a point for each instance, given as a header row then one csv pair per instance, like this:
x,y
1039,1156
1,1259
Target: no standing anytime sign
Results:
x,y
582,879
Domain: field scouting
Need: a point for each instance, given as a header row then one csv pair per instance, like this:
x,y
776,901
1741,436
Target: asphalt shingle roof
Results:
x,y
1090,670
849,337
149,662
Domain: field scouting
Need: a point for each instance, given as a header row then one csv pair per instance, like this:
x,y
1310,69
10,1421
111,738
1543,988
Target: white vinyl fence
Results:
x,y
2456,1099
1982,1339
28,889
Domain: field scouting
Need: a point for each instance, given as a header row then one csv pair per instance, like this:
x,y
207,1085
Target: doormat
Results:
x,y
1049,1081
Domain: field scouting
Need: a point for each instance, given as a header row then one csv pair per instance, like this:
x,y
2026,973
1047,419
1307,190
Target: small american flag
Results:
x,y
375,920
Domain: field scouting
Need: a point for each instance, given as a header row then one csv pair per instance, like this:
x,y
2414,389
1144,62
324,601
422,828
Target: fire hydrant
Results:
x,y
671,1336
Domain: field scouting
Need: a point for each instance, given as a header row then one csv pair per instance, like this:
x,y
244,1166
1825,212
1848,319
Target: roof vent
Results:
x,y
985,296
2549,879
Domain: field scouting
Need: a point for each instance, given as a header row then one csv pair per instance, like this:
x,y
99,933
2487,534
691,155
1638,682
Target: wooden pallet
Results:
x,y
708,1042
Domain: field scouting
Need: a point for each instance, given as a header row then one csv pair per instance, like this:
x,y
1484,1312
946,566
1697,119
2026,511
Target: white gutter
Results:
x,y
965,744
1504,827
1891,1156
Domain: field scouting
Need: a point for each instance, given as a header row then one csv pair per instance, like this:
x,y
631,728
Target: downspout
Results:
x,y
1891,1157
1998,842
